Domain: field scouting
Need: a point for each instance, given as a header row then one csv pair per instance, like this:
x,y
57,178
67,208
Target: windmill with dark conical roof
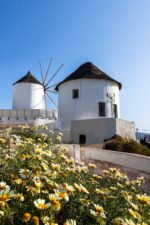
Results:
x,y
30,93
87,93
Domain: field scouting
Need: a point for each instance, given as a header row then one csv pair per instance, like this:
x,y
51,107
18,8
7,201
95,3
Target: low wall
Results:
x,y
85,154
134,161
15,123
27,113
97,130
74,151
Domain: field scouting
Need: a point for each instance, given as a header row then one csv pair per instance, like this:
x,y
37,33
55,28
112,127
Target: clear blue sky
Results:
x,y
113,34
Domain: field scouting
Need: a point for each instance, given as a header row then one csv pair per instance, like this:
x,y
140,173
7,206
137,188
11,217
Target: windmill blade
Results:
x,y
53,85
51,99
41,72
47,71
51,91
54,75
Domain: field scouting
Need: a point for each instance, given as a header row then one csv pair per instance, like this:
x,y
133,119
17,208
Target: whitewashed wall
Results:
x,y
91,92
97,130
27,113
28,96
134,161
30,116
129,160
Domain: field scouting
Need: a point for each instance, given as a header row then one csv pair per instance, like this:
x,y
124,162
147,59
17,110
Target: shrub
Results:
x,y
40,184
127,145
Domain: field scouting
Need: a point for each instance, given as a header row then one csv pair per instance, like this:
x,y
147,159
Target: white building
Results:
x,y
88,93
28,104
28,93
89,106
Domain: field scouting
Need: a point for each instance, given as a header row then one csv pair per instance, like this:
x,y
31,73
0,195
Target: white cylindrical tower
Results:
x,y
28,93
88,93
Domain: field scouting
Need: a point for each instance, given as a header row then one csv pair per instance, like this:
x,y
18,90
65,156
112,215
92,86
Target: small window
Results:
x,y
75,93
102,109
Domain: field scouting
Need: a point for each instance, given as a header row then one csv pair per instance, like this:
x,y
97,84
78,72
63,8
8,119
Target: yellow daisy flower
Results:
x,y
40,204
36,220
26,217
144,199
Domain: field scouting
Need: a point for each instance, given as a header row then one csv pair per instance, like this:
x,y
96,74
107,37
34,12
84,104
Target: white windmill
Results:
x,y
30,93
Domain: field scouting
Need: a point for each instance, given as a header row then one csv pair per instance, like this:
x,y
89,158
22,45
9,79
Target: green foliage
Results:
x,y
127,145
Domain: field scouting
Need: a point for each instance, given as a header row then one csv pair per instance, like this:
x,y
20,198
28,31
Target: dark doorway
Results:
x,y
115,110
82,139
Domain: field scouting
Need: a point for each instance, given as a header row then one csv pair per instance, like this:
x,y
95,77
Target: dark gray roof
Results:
x,y
88,71
28,78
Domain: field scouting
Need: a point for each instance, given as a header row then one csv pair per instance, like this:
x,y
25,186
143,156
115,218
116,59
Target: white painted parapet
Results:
x,y
34,116
85,154
28,113
134,161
